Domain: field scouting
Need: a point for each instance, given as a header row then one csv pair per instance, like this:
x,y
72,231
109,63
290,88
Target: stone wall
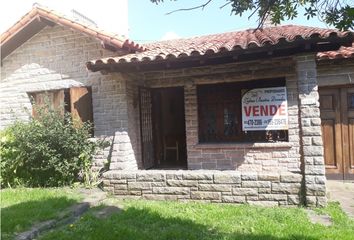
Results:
x,y
267,188
55,59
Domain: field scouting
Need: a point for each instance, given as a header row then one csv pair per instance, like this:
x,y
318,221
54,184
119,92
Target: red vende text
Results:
x,y
265,110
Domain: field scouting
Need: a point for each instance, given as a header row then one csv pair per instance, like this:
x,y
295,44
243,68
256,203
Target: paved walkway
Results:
x,y
343,192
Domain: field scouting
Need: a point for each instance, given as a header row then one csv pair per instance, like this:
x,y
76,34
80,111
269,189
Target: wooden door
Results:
x,y
146,128
337,118
347,101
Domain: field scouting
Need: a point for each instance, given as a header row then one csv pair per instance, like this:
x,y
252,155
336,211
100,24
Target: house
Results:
x,y
258,116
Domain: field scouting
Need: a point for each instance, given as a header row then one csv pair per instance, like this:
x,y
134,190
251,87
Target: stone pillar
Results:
x,y
123,157
194,159
313,167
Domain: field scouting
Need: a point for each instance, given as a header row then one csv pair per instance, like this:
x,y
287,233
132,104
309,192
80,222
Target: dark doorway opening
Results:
x,y
163,128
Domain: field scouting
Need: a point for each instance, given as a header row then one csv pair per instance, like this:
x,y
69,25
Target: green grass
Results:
x,y
173,220
23,207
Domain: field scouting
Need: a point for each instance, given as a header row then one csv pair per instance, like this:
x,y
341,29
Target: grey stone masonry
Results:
x,y
55,59
263,188
310,129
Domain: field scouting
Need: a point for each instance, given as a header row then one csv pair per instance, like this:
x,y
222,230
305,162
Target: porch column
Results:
x,y
313,167
194,160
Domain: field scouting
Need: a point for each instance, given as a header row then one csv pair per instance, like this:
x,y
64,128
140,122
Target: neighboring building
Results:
x,y
256,116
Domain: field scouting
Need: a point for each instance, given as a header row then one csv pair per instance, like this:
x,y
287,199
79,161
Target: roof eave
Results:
x,y
279,50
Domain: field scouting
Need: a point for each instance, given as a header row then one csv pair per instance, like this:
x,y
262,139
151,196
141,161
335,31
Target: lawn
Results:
x,y
173,220
166,220
22,207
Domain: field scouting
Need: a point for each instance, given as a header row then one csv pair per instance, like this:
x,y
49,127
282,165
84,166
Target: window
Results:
x,y
220,117
77,101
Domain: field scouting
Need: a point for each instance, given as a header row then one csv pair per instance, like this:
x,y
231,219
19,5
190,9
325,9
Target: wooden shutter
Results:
x,y
54,99
81,104
147,141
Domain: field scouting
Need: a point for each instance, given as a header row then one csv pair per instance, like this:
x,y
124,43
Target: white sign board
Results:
x,y
265,109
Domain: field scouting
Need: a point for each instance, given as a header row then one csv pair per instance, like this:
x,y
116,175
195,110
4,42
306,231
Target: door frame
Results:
x,y
345,151
153,92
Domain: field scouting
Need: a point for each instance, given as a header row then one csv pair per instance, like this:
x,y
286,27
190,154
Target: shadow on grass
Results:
x,y
22,216
141,224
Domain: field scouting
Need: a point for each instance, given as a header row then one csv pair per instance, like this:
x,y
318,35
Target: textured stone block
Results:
x,y
315,169
227,177
206,195
313,150
139,185
274,177
316,189
171,190
233,199
290,178
182,183
245,191
250,176
256,184
215,187
287,188
147,176
197,175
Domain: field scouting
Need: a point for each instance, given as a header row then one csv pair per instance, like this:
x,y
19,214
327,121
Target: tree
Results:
x,y
338,13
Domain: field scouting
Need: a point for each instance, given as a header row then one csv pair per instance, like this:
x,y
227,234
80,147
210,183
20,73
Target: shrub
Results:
x,y
49,150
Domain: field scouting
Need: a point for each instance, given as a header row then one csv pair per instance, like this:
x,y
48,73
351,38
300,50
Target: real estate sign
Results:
x,y
265,109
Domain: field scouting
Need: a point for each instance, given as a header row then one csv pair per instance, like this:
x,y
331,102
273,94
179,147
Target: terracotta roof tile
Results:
x,y
226,42
39,11
343,52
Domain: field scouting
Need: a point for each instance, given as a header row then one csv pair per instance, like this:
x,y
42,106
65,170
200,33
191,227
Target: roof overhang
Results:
x,y
282,49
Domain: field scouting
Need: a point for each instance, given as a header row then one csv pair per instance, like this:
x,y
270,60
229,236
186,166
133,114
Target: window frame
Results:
x,y
218,94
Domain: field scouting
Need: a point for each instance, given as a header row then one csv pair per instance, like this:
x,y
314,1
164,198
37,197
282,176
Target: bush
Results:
x,y
49,150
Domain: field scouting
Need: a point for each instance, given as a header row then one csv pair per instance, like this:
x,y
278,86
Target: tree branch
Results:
x,y
202,6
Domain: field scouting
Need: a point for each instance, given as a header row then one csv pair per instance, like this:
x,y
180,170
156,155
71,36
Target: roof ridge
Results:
x,y
114,39
236,31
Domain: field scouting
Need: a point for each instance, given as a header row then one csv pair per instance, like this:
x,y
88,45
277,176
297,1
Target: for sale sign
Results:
x,y
265,109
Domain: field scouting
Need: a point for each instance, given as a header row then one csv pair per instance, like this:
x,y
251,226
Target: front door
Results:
x,y
337,118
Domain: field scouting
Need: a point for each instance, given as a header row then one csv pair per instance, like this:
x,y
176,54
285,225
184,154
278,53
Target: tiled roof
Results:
x,y
343,52
55,17
242,41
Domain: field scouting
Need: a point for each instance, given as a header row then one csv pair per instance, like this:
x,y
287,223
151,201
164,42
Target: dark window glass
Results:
x,y
219,113
351,101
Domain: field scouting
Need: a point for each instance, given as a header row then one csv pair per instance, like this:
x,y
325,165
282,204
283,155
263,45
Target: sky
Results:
x,y
143,21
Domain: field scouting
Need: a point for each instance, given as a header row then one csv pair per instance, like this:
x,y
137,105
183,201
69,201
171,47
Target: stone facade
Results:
x,y
275,173
260,188
55,59
290,159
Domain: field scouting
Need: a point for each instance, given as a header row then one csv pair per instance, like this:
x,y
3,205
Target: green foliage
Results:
x,y
50,150
338,13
